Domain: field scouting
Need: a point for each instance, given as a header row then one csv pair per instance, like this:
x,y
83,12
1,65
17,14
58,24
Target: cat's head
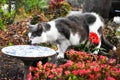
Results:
x,y
36,34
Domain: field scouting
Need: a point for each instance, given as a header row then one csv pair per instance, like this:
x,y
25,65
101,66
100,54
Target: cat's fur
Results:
x,y
70,30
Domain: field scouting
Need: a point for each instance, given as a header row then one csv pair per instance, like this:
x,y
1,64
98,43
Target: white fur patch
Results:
x,y
74,39
39,39
53,31
97,24
29,34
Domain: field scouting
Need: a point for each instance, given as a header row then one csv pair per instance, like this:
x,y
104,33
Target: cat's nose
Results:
x,y
29,42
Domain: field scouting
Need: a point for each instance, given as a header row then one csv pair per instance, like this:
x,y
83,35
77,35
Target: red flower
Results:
x,y
93,37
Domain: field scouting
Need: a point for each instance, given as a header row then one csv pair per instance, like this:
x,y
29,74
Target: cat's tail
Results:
x,y
106,44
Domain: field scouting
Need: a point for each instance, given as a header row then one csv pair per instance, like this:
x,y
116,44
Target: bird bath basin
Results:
x,y
28,54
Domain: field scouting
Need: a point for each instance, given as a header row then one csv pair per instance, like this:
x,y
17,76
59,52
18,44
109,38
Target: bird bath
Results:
x,y
28,54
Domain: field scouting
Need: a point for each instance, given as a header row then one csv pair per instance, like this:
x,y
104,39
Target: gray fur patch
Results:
x,y
75,23
46,26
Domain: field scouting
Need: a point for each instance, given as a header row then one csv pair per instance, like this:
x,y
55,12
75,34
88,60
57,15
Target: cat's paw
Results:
x,y
95,52
60,56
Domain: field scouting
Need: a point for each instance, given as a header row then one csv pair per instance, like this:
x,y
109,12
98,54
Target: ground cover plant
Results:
x,y
80,66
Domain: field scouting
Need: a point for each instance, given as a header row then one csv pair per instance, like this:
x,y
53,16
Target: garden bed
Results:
x,y
15,34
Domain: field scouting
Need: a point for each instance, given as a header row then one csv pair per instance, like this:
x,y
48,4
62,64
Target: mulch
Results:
x,y
11,68
15,34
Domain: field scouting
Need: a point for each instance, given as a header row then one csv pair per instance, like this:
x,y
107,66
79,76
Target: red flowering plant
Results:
x,y
90,44
80,66
57,8
93,37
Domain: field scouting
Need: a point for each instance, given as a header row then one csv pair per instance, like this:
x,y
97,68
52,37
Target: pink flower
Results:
x,y
87,71
75,72
103,66
31,68
36,68
92,76
107,74
39,64
112,61
70,52
36,74
109,78
103,58
59,70
51,76
80,65
69,63
96,69
81,72
98,75
29,76
47,72
67,72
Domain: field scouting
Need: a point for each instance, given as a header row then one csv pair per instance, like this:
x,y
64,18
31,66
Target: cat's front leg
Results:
x,y
59,52
62,47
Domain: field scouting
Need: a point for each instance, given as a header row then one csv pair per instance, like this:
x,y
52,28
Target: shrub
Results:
x,y
35,6
57,8
6,16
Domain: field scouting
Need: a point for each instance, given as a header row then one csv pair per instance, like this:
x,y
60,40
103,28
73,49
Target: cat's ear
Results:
x,y
33,28
39,26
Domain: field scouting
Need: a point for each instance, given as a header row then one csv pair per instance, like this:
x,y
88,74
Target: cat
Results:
x,y
69,31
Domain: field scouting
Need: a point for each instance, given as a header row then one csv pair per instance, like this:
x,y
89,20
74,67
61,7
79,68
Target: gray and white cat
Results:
x,y
69,31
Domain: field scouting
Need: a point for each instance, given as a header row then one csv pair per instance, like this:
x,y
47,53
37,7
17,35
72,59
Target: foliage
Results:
x,y
38,18
35,6
57,8
6,17
111,36
35,19
80,66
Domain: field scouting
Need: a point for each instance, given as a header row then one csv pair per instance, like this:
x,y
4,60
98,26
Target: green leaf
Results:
x,y
1,10
10,44
3,1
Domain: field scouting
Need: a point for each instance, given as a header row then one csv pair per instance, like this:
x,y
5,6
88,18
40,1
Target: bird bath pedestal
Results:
x,y
28,54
